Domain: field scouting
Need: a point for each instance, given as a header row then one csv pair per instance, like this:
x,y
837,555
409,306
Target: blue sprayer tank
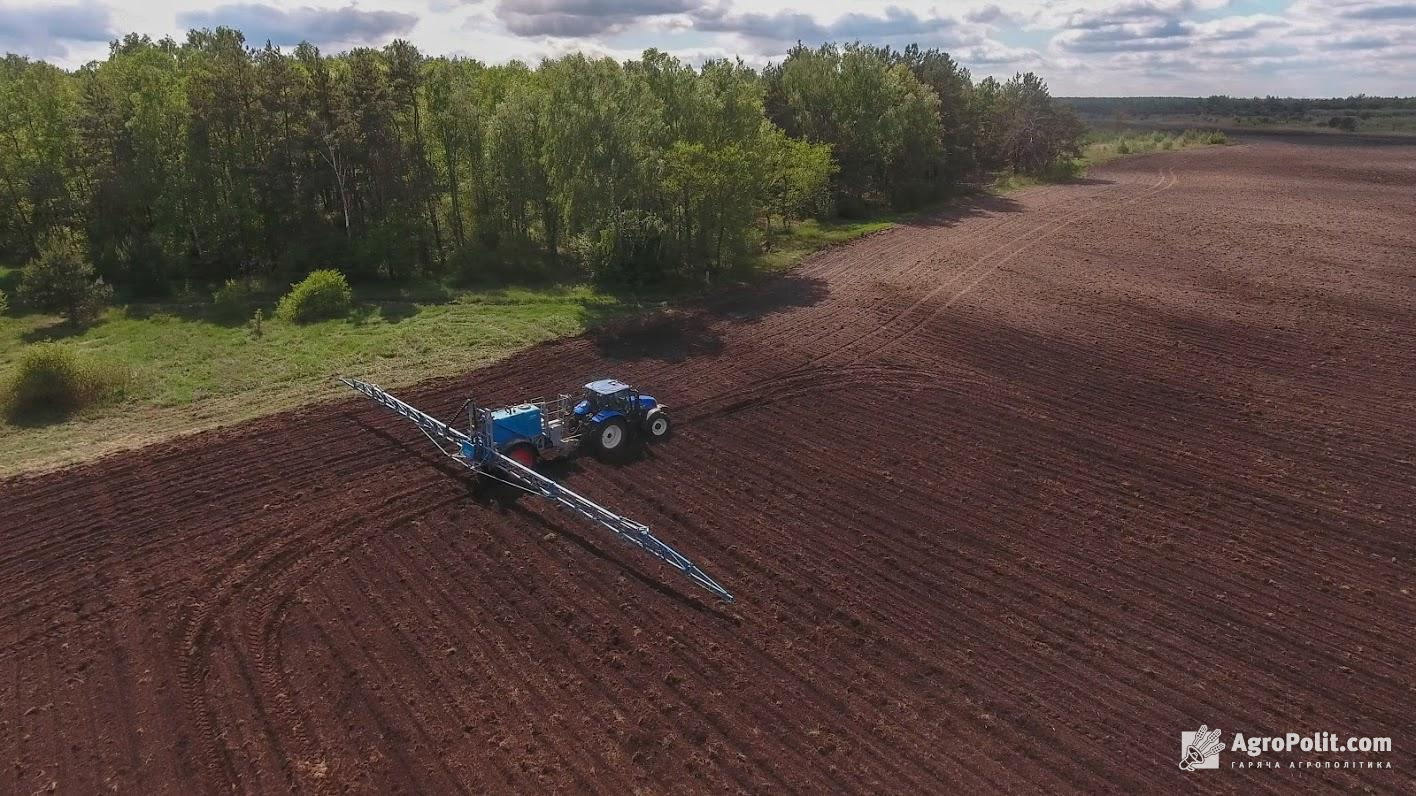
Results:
x,y
515,423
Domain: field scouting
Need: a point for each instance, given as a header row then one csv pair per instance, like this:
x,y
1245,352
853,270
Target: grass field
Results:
x,y
1101,147
190,371
809,236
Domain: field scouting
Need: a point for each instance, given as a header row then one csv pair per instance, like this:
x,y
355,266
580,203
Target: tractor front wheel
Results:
x,y
658,426
611,436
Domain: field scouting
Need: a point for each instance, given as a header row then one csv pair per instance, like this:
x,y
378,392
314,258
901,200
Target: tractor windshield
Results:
x,y
600,400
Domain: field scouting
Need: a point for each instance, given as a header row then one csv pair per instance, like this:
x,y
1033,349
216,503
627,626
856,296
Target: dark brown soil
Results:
x,y
1009,498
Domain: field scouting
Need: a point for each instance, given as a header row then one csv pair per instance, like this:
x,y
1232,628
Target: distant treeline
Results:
x,y
1219,105
210,160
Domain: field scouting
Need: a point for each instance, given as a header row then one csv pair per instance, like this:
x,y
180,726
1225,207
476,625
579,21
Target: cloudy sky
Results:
x,y
1083,47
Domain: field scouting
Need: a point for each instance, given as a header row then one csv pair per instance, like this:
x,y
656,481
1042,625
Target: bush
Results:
x,y
51,379
1123,148
62,280
640,253
232,301
1216,137
323,294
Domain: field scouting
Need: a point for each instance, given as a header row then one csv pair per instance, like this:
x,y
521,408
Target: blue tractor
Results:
x,y
607,416
611,412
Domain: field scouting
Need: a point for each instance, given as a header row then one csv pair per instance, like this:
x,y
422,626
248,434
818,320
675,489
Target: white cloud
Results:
x,y
1303,47
48,30
292,25
583,18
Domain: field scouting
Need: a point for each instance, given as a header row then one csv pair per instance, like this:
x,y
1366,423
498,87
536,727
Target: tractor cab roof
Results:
x,y
607,387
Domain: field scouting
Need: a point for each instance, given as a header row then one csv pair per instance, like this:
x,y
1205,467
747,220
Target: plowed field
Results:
x,y
1009,498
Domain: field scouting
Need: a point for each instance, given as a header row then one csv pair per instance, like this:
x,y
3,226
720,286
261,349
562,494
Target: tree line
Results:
x,y
1222,105
210,160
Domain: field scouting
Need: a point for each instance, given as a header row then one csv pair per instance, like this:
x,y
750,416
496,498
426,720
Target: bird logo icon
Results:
x,y
1200,749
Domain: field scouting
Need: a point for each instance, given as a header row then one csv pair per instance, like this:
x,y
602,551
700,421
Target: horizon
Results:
x,y
1291,49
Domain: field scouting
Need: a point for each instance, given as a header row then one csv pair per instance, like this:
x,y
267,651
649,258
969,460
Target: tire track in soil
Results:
x,y
1012,239
215,606
447,599
553,572
987,266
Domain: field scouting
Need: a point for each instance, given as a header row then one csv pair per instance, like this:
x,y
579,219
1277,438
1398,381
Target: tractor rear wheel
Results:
x,y
522,454
611,435
500,482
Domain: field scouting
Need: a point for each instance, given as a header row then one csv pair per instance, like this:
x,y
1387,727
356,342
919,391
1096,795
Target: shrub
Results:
x,y
1216,137
323,294
640,253
232,301
1064,170
52,379
1123,148
62,280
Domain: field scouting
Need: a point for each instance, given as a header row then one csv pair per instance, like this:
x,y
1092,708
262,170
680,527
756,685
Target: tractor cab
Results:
x,y
606,394
610,411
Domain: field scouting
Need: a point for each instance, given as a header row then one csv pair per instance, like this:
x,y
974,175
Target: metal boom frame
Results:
x,y
474,452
